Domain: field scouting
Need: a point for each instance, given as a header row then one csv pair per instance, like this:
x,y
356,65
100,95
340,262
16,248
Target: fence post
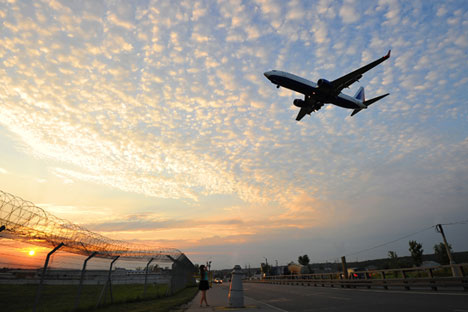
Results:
x,y
44,270
429,273
367,277
403,273
382,273
146,276
431,276
108,282
77,301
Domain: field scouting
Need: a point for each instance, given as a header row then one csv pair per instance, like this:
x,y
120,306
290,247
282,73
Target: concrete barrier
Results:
x,y
236,290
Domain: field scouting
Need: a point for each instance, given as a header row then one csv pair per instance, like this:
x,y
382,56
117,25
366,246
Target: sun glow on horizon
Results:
x,y
32,252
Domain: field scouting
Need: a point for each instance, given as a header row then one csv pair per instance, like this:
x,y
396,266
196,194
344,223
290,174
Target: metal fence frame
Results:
x,y
378,278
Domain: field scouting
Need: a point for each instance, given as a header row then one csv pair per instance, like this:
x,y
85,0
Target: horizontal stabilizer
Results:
x,y
369,102
301,114
357,110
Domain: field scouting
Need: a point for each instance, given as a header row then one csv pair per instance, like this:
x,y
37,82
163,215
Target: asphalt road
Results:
x,y
306,298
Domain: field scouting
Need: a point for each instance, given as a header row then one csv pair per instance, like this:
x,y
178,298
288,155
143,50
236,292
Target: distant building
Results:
x,y
295,268
427,264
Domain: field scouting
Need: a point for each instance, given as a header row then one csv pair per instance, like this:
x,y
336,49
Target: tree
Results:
x,y
441,253
392,255
304,260
416,251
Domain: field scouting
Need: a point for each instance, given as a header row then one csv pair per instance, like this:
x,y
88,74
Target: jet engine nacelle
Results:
x,y
299,103
324,84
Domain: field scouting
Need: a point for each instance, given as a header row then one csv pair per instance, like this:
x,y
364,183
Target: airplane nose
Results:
x,y
267,74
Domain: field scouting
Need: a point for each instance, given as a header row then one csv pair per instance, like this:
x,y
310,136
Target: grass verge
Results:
x,y
159,305
55,298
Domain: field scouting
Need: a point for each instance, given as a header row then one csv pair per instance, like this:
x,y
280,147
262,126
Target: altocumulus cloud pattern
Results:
x,y
23,220
159,112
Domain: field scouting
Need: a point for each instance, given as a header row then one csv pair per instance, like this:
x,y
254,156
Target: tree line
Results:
x,y
392,262
416,253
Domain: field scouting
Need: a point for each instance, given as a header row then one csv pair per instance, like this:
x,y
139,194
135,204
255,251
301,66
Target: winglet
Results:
x,y
388,54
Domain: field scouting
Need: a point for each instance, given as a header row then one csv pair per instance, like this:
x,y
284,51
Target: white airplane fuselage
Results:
x,y
304,86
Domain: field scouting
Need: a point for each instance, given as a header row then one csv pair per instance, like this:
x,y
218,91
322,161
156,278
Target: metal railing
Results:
x,y
417,277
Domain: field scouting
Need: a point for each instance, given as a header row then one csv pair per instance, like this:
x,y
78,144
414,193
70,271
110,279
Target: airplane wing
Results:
x,y
308,109
347,80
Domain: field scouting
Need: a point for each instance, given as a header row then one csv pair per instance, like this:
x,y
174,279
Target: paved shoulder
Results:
x,y
217,298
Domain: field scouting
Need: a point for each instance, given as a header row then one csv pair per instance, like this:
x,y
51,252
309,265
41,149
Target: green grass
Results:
x,y
56,298
159,305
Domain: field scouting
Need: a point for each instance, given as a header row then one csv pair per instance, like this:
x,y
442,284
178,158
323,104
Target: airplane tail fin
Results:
x,y
368,102
360,94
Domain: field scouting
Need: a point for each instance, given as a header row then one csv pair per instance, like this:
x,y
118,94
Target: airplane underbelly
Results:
x,y
294,85
344,103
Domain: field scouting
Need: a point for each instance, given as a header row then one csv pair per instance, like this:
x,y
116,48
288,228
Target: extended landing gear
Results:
x,y
277,86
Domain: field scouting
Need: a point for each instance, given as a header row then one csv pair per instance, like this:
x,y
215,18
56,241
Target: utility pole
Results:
x,y
345,267
455,270
266,266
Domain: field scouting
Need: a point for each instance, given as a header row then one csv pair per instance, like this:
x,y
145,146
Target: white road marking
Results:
x,y
327,296
405,292
266,304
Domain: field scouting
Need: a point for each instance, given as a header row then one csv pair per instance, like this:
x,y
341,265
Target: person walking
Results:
x,y
204,284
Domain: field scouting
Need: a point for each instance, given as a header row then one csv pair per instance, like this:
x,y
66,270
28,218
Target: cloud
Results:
x,y
393,10
320,33
441,11
167,103
120,22
155,222
348,13
295,13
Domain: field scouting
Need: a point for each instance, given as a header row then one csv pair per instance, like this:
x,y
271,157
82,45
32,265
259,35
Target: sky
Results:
x,y
151,121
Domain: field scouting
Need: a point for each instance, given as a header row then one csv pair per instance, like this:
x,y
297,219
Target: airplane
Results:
x,y
324,91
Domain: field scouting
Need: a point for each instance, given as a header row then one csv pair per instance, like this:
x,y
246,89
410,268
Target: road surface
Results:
x,y
307,298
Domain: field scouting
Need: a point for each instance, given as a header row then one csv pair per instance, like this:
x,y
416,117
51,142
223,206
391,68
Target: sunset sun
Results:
x,y
31,253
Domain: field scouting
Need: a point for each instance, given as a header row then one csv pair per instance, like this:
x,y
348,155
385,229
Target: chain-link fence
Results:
x,y
74,282
51,264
